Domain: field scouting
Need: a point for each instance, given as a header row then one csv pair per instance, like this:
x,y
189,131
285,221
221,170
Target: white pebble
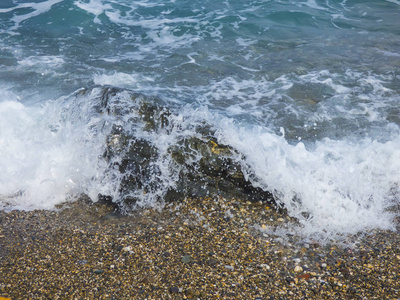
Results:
x,y
298,269
128,248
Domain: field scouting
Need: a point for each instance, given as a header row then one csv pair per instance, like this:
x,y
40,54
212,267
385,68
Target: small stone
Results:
x,y
304,276
174,290
149,279
289,279
345,271
298,269
263,266
315,244
323,265
230,268
190,293
98,271
186,258
212,262
127,249
82,262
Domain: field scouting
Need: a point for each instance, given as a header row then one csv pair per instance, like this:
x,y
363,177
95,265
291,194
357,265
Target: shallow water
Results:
x,y
306,91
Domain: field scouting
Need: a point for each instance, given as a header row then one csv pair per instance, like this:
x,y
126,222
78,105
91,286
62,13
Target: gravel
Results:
x,y
188,250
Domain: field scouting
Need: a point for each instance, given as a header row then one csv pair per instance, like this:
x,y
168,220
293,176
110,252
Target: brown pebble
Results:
x,y
304,276
149,279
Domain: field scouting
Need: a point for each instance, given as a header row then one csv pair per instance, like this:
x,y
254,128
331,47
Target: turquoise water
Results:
x,y
308,91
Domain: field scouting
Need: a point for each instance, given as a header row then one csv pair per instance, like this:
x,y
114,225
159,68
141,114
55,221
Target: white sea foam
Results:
x,y
124,80
53,153
42,61
48,154
394,1
313,4
95,7
38,9
337,187
162,31
245,42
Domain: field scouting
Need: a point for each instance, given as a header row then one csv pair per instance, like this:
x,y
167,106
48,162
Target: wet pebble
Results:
x,y
174,290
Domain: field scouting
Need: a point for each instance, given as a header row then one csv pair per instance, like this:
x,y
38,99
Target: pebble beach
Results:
x,y
209,248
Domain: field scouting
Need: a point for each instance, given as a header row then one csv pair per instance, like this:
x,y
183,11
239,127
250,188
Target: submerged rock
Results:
x,y
184,166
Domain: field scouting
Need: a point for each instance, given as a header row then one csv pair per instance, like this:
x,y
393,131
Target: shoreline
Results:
x,y
196,249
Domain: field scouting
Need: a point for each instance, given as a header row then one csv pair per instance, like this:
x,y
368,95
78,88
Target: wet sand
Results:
x,y
198,249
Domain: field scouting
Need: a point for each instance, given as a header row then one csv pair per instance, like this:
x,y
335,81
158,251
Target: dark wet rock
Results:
x,y
201,166
216,172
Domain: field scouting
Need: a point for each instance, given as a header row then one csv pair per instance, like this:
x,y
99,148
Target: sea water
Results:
x,y
308,91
